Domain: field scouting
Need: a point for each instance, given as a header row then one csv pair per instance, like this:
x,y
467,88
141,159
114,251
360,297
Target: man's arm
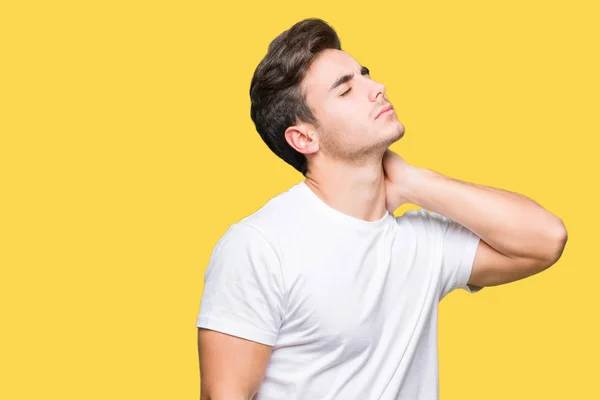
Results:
x,y
519,237
240,315
231,368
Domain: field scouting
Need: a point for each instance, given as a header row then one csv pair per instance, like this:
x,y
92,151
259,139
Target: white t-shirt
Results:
x,y
349,306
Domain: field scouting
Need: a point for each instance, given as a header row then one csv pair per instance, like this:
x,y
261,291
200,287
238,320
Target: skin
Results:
x,y
351,168
346,149
231,368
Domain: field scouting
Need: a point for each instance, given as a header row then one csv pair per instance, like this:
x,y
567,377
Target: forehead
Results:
x,y
328,66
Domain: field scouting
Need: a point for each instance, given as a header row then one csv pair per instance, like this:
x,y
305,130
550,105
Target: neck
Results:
x,y
355,190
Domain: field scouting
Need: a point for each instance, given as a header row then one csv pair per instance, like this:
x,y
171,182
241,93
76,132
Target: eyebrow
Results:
x,y
345,78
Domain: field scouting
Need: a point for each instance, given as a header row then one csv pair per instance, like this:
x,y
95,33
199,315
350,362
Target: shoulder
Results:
x,y
429,225
243,254
280,215
243,235
424,218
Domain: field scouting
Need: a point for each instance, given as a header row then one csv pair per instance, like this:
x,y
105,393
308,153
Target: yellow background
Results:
x,y
127,150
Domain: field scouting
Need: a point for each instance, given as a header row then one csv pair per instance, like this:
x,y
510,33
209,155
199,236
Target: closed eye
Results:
x,y
348,77
346,92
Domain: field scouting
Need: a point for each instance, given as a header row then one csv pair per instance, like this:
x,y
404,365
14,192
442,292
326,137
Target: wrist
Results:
x,y
414,184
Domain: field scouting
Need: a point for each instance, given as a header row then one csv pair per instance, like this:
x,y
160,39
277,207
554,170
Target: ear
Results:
x,y
302,137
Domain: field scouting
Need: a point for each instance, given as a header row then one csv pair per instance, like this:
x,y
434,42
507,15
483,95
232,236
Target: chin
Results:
x,y
396,132
387,138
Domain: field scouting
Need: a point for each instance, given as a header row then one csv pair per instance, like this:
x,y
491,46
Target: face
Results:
x,y
347,104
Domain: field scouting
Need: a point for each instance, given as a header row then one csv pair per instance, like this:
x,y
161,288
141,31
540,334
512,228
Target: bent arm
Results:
x,y
519,238
511,223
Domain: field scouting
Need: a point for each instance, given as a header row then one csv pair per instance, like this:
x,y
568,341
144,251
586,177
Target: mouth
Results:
x,y
384,110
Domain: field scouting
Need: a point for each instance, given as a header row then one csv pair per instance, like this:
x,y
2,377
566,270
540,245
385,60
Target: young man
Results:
x,y
323,293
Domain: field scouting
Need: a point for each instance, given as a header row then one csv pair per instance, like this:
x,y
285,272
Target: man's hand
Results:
x,y
398,175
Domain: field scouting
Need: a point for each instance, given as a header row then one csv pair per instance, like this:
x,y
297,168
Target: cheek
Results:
x,y
343,116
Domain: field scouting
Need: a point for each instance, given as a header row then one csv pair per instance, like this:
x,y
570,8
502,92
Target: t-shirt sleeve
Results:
x,y
452,246
459,246
243,287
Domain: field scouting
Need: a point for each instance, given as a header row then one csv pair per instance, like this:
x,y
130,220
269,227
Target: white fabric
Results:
x,y
349,306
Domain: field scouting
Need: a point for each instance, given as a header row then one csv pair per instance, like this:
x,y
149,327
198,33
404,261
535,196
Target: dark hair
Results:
x,y
276,98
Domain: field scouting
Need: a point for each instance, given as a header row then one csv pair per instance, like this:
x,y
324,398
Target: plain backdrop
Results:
x,y
127,150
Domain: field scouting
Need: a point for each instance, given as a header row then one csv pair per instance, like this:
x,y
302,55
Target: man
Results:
x,y
323,293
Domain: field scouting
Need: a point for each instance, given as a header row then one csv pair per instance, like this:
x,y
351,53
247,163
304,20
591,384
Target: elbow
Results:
x,y
559,241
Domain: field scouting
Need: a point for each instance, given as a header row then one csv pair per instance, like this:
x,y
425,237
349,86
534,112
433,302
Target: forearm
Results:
x,y
509,222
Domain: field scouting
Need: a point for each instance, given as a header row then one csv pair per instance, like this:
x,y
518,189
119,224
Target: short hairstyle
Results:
x,y
277,101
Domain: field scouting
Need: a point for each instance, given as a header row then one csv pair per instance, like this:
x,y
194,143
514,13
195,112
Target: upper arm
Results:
x,y
230,367
241,312
468,261
452,245
492,268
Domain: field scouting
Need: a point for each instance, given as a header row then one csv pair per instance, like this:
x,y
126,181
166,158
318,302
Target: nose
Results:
x,y
376,90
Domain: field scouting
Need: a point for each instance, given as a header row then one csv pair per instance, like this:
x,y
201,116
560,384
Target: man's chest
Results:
x,y
350,298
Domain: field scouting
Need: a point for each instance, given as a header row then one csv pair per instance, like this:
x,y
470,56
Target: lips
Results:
x,y
384,109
